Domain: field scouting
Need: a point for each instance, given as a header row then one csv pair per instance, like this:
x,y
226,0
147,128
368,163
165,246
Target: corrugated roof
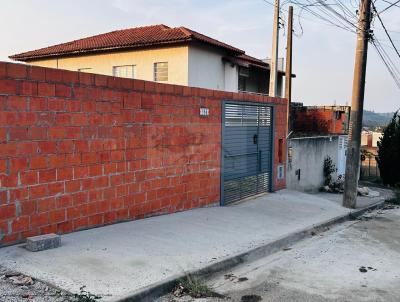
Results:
x,y
146,36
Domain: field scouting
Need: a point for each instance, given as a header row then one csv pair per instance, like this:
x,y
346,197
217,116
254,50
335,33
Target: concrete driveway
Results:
x,y
115,260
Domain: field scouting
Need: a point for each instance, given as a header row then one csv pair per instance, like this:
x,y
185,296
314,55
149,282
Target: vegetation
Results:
x,y
389,152
374,120
329,168
85,296
195,288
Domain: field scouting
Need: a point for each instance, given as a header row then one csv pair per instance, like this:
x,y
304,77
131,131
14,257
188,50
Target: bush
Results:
x,y
329,168
389,152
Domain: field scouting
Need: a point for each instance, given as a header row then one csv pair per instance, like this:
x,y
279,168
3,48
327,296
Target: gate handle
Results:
x,y
255,139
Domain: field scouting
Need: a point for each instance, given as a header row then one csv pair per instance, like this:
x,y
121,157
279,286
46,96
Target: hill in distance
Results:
x,y
373,119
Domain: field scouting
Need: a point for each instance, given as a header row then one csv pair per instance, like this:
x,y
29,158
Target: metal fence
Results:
x,y
369,167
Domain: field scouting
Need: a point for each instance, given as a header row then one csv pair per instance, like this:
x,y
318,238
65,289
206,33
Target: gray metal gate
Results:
x,y
246,150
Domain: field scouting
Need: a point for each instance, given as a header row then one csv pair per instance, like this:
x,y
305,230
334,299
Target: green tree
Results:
x,y
389,152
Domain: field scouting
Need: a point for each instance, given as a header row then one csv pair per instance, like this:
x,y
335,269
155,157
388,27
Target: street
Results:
x,y
355,261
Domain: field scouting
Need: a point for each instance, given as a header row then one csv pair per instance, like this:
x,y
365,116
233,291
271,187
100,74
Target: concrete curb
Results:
x,y
153,291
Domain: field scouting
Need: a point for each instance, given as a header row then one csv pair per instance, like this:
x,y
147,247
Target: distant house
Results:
x,y
369,151
162,54
318,132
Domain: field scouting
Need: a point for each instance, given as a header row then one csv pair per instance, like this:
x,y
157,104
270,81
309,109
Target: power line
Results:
x,y
384,27
391,5
389,68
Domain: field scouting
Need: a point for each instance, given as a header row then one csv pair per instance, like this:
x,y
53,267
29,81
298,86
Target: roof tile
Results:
x,y
124,39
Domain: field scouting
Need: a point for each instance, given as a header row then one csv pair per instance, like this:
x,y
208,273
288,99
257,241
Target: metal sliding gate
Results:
x,y
246,150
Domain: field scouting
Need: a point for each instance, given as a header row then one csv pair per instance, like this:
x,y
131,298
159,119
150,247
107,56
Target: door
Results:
x,y
246,150
341,164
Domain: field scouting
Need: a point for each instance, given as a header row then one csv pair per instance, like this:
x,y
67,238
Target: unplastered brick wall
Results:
x,y
319,120
79,150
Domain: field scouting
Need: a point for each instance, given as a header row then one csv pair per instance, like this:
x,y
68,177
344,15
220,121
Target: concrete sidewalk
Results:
x,y
115,260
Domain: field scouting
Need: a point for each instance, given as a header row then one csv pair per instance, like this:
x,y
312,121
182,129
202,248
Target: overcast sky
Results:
x,y
323,55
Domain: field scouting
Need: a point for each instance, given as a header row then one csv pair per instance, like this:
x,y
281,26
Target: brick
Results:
x,y
29,178
37,133
45,89
57,133
57,161
29,88
7,211
63,91
47,147
70,77
20,224
36,73
16,71
46,176
18,133
8,87
56,105
3,69
53,75
18,164
79,119
43,242
26,118
38,191
57,216
18,103
3,166
72,186
86,78
38,162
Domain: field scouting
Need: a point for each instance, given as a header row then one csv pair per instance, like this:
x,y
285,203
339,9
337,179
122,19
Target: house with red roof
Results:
x,y
160,53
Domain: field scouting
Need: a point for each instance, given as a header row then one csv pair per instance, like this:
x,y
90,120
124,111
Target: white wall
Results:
x,y
308,155
375,138
231,77
207,70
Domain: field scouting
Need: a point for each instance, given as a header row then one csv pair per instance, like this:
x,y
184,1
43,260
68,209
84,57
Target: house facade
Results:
x,y
318,132
162,54
80,150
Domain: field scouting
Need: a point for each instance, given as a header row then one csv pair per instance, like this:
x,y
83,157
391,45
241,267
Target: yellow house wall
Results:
x,y
177,58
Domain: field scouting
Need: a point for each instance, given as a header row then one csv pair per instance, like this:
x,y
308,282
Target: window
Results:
x,y
244,73
242,83
161,71
86,69
124,71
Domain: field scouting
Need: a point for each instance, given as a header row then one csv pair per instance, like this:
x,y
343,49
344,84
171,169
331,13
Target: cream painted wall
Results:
x,y
177,58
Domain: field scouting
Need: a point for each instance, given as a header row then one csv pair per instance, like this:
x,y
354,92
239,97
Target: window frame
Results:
x,y
133,66
156,72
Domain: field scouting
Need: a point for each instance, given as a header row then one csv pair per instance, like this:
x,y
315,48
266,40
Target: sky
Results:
x,y
323,55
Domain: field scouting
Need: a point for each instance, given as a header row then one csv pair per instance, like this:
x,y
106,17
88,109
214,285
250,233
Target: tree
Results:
x,y
389,152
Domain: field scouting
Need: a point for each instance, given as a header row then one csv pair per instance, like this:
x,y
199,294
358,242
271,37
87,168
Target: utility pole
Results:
x,y
288,75
273,84
357,106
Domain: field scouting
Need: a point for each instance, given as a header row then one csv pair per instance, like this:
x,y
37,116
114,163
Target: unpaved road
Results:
x,y
355,261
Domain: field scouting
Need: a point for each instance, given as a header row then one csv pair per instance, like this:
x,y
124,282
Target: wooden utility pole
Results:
x,y
273,83
288,79
357,106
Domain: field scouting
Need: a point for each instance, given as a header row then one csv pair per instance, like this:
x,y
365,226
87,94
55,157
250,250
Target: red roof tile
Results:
x,y
147,36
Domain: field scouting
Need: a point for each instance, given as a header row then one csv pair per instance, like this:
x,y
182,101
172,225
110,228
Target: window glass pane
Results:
x,y
126,71
161,71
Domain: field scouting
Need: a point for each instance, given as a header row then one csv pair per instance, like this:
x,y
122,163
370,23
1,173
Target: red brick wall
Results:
x,y
318,120
79,150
